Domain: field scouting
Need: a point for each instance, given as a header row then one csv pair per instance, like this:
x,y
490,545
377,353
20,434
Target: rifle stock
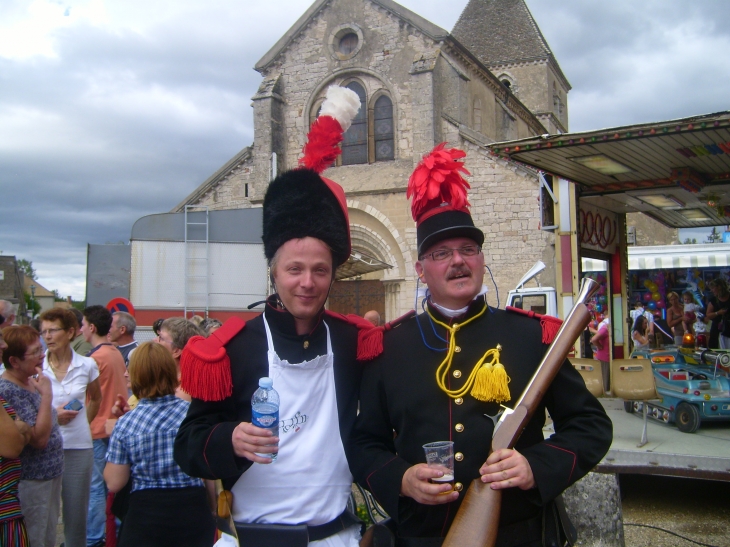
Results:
x,y
477,522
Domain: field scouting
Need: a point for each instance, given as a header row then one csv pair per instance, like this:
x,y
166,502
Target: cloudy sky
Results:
x,y
114,109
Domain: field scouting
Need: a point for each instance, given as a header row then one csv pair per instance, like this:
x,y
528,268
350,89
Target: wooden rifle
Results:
x,y
477,521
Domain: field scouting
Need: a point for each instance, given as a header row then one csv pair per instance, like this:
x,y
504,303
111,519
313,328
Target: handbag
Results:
x,y
120,505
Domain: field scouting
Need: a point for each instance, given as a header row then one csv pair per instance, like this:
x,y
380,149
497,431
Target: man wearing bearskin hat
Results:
x,y
311,355
445,372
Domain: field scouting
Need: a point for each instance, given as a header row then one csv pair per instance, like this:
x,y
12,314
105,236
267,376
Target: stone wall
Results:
x,y
651,232
11,282
230,192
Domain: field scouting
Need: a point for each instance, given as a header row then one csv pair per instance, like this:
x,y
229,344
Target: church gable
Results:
x,y
228,188
404,15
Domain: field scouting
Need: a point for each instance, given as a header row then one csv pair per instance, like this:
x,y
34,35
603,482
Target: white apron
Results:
x,y
310,481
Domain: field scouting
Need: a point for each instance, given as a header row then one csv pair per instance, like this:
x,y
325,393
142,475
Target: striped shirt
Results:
x,y
143,439
9,477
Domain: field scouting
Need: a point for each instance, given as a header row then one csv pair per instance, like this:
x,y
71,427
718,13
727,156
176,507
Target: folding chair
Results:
x,y
590,371
633,380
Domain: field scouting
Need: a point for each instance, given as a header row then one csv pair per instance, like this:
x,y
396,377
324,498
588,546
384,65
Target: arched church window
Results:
x,y
355,142
383,125
477,115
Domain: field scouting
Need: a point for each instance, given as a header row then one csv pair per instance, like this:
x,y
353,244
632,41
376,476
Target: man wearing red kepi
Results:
x,y
444,373
300,498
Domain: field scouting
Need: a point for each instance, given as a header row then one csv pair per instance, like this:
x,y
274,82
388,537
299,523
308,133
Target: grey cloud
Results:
x,y
123,124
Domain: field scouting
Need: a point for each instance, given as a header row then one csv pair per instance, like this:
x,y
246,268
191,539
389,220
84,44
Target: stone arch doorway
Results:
x,y
366,292
358,296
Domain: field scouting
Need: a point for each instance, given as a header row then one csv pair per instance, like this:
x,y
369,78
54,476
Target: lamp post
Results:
x,y
32,299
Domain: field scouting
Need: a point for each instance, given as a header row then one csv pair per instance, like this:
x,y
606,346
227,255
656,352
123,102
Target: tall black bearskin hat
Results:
x,y
301,203
439,201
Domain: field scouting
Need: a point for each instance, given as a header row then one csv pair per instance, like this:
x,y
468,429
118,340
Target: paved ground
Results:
x,y
695,509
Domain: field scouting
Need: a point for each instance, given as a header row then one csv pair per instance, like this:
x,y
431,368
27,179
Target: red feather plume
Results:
x,y
437,179
322,148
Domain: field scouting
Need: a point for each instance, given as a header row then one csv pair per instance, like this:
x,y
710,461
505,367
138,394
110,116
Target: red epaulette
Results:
x,y
550,325
369,337
205,368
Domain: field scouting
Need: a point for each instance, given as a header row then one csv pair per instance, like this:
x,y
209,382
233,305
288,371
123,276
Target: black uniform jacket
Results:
x,y
402,408
203,446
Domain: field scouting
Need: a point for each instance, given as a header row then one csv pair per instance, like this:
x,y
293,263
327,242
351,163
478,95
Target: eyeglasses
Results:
x,y
37,352
443,254
50,331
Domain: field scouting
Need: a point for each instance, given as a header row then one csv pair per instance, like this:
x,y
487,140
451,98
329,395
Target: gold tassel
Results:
x,y
490,384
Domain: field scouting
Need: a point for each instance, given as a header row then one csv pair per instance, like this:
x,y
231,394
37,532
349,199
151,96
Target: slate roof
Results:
x,y
499,31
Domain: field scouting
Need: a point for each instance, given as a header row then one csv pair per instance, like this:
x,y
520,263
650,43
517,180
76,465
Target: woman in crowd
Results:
x,y
166,507
24,386
640,333
716,311
76,398
675,317
602,342
15,434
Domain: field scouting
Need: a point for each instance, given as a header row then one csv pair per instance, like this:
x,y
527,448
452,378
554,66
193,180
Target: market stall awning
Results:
x,y
593,265
679,256
677,171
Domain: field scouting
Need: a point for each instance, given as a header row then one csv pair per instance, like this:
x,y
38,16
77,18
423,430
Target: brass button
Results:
x,y
457,349
457,327
459,427
459,400
457,374
458,487
458,456
306,344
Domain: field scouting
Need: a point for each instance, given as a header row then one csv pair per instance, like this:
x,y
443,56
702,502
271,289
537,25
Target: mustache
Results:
x,y
458,271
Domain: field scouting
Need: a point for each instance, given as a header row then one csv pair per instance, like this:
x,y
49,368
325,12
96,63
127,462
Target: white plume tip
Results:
x,y
342,104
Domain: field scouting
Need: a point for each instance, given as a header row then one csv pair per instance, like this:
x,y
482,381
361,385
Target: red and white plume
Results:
x,y
335,117
437,179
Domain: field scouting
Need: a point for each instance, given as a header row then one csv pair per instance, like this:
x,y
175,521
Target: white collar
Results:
x,y
461,311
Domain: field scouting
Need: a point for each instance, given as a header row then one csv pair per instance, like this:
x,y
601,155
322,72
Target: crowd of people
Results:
x,y
59,409
685,314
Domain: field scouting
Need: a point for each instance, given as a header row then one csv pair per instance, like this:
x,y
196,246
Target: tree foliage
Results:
x,y
26,266
32,304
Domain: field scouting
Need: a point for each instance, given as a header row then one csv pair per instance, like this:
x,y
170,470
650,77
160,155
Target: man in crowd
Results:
x,y
95,325
373,316
79,343
423,390
310,355
121,334
7,311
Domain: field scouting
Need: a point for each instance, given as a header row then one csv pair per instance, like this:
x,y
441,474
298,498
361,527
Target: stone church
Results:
x,y
492,78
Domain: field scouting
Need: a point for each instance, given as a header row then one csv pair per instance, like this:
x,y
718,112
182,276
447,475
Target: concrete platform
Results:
x,y
704,454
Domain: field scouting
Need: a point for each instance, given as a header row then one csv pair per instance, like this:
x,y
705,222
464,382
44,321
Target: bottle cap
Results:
x,y
266,382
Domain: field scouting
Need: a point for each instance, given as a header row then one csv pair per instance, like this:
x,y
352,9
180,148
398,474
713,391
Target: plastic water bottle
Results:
x,y
265,410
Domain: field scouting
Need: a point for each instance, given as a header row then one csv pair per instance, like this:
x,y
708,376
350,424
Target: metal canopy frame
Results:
x,y
684,161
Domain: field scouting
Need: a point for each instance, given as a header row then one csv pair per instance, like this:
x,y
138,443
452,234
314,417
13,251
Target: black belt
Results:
x,y
292,535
